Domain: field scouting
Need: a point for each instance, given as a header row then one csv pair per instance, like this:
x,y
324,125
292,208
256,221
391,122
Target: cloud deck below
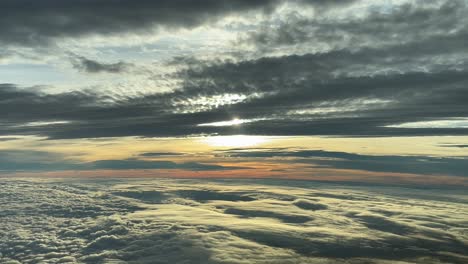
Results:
x,y
229,221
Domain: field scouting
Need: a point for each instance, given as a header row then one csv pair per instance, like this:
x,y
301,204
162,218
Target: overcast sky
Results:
x,y
311,89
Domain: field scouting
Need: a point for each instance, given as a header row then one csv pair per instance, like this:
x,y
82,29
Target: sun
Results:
x,y
237,141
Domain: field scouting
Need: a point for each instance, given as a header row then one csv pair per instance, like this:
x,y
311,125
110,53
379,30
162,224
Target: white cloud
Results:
x,y
201,221
447,123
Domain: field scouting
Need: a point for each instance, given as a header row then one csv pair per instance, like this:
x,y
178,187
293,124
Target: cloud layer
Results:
x,y
16,161
193,221
455,166
28,22
351,69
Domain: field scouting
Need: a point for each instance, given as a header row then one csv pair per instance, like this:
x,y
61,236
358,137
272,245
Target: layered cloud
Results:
x,y
33,23
289,105
455,166
403,25
16,161
193,221
348,68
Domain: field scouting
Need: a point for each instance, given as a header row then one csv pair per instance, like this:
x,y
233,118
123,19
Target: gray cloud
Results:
x,y
341,104
8,138
91,66
45,21
433,23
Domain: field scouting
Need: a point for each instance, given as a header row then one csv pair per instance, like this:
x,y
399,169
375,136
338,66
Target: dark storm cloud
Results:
x,y
343,160
92,66
28,22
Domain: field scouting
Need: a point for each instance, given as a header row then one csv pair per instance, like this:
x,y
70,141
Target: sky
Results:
x,y
343,90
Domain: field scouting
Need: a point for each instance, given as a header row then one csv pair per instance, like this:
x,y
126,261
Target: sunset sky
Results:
x,y
344,90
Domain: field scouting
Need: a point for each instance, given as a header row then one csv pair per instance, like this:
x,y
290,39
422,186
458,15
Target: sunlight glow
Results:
x,y
228,123
204,103
460,122
44,123
237,141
